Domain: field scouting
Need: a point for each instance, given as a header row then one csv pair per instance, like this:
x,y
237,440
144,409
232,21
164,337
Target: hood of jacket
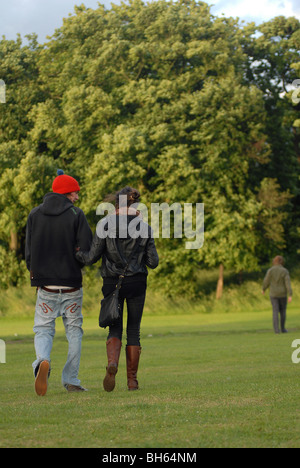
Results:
x,y
55,204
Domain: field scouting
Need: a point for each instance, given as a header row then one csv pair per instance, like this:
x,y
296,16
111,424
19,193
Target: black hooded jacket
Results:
x,y
114,238
53,231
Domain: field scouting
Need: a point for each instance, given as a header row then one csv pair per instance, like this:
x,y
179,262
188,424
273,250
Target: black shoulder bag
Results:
x,y
110,308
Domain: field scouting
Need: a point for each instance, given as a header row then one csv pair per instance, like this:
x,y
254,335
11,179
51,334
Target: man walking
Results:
x,y
278,279
53,231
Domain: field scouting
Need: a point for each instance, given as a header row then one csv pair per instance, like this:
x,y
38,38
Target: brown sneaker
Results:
x,y
41,379
75,388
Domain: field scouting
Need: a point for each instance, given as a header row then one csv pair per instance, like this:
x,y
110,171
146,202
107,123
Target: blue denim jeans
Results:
x,y
49,306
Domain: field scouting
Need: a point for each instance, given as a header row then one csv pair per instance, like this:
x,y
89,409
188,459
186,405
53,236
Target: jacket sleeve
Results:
x,y
266,282
28,243
151,255
84,235
288,284
94,253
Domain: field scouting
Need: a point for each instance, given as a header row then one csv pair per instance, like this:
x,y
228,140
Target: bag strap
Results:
x,y
121,277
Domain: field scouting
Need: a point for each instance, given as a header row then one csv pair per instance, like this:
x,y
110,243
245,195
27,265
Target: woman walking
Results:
x,y
115,239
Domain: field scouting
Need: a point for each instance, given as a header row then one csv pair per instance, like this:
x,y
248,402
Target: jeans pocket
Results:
x,y
72,304
46,302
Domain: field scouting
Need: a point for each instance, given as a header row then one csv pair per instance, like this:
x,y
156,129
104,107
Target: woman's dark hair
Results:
x,y
133,196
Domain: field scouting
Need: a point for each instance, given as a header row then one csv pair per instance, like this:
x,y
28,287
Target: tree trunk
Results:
x,y
241,277
220,282
13,245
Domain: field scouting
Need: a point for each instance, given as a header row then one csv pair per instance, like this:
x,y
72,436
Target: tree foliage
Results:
x,y
185,106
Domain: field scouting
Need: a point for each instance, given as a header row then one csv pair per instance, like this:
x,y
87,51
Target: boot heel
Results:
x,y
109,381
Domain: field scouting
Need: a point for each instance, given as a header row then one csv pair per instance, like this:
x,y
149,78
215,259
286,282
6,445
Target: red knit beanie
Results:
x,y
64,183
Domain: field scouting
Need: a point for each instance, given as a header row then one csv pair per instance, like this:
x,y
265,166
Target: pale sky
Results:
x,y
44,16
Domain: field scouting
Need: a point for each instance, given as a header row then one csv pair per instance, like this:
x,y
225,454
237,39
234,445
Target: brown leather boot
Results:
x,y
132,359
113,348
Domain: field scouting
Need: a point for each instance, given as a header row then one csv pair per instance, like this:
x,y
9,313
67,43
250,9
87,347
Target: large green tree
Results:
x,y
273,67
19,175
165,97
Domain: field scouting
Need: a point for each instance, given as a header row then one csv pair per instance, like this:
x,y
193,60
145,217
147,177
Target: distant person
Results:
x,y
278,280
54,228
114,248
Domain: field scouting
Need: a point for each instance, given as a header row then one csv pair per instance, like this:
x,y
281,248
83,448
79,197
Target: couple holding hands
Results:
x,y
59,242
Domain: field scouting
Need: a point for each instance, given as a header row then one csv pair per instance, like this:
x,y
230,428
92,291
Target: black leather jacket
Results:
x,y
117,229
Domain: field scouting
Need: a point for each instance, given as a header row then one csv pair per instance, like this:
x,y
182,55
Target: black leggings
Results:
x,y
134,293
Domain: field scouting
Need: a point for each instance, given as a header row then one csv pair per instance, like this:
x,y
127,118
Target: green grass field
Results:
x,y
206,380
